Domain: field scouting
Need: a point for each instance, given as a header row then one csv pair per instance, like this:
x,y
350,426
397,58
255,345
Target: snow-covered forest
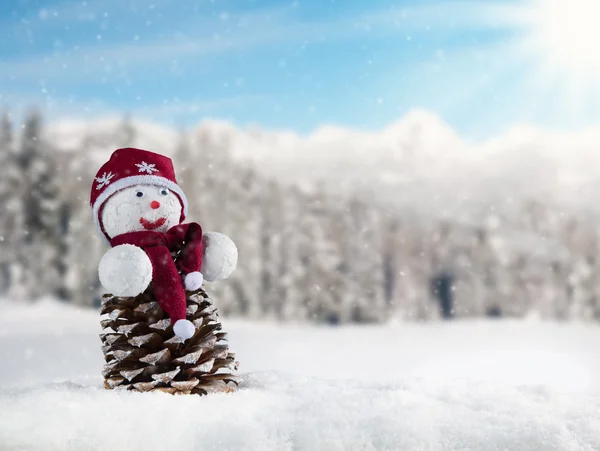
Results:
x,y
307,251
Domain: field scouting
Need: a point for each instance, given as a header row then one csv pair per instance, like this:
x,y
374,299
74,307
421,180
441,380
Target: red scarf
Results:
x,y
168,285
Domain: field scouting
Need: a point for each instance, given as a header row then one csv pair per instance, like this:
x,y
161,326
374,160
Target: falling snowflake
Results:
x,y
145,167
104,179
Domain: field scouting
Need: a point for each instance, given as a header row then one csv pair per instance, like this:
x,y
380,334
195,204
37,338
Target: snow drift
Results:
x,y
458,386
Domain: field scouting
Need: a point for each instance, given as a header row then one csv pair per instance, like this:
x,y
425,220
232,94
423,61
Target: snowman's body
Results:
x,y
139,209
126,270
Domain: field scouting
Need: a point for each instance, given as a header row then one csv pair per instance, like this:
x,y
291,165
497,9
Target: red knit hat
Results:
x,y
129,167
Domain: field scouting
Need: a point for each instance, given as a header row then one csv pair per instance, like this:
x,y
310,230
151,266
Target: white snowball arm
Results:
x,y
193,281
125,270
220,256
184,329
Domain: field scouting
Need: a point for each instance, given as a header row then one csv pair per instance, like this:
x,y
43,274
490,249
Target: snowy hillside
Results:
x,y
455,386
417,162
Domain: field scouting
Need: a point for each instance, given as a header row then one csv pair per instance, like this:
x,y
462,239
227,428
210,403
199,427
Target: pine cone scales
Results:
x,y
142,353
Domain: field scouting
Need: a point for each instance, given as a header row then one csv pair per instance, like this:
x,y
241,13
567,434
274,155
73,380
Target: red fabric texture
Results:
x,y
126,162
168,286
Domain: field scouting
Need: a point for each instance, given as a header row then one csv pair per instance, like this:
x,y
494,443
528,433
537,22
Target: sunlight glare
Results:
x,y
569,31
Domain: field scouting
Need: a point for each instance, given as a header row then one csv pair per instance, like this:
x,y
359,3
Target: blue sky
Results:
x,y
289,64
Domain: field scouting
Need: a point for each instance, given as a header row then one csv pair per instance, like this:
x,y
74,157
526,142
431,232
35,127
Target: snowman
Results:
x,y
139,210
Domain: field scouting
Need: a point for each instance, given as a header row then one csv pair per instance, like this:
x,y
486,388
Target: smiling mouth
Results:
x,y
151,225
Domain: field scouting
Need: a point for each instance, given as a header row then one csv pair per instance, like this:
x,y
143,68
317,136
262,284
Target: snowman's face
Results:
x,y
140,207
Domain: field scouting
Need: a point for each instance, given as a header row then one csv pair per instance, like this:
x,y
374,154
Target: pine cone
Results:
x,y
142,353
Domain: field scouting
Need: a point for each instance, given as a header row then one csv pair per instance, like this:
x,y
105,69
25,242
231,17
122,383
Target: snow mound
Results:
x,y
281,412
485,386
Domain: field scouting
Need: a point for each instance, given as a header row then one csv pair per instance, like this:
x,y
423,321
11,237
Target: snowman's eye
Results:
x,y
164,192
139,194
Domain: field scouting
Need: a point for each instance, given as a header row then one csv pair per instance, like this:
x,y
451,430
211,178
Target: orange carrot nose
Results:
x,y
154,204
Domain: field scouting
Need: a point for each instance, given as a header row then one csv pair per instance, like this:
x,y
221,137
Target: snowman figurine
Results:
x,y
139,210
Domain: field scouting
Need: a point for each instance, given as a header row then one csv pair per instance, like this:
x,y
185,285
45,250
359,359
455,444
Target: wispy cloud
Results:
x,y
198,38
165,111
175,108
91,10
100,61
19,102
69,13
441,16
203,37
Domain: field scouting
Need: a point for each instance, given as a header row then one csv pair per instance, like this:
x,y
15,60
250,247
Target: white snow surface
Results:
x,y
440,386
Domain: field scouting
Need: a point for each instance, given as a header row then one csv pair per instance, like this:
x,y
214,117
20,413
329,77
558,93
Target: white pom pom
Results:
x,y
220,256
184,329
125,270
193,281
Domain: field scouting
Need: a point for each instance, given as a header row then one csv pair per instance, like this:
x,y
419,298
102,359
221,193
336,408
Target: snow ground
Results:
x,y
456,386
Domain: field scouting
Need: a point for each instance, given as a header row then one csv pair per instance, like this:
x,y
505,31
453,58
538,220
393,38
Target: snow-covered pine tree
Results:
x,y
126,133
321,259
520,303
398,284
210,166
228,199
65,213
38,255
594,298
418,272
242,206
367,262
593,285
553,303
403,288
580,281
80,282
303,276
10,203
201,170
345,287
483,274
390,229
270,230
191,175
293,269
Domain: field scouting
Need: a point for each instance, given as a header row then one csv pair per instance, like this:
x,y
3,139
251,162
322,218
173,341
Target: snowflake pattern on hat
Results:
x,y
104,179
146,167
